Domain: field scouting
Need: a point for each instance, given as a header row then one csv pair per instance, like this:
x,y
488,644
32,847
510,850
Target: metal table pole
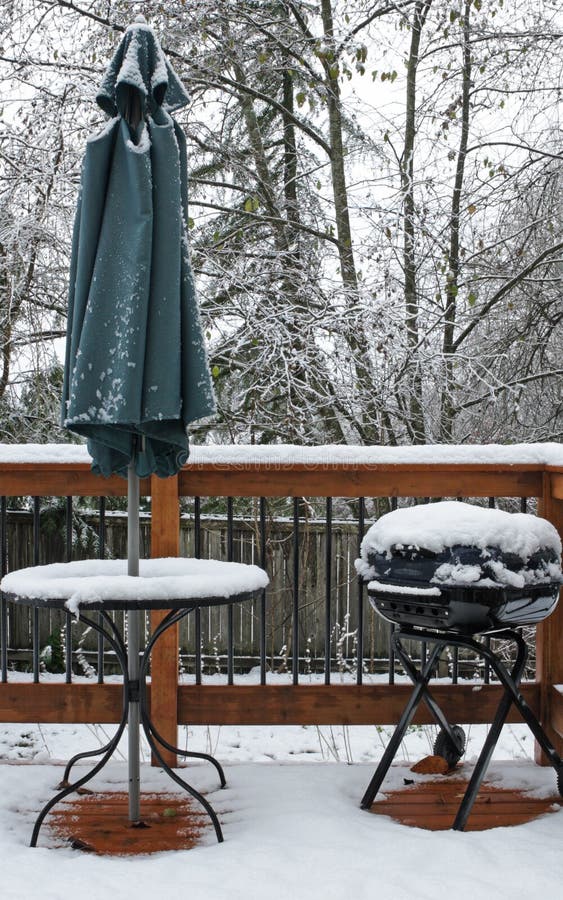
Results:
x,y
133,644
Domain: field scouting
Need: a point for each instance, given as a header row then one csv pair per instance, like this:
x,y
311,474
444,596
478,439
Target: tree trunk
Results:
x,y
339,187
412,372
452,282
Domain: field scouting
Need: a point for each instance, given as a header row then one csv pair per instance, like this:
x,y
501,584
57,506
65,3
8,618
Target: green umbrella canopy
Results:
x,y
136,365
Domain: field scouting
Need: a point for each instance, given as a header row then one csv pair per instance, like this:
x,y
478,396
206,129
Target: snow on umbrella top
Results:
x,y
140,64
136,365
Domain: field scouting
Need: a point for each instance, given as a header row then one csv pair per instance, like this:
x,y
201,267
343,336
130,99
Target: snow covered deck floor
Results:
x,y
98,823
292,829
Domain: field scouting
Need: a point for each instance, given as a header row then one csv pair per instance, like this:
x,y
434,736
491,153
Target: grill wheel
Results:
x,y
444,746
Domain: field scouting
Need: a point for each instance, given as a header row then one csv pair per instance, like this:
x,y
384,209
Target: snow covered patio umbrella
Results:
x,y
136,371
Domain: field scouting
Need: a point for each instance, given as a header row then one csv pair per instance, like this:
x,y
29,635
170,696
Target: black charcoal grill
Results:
x,y
406,588
451,598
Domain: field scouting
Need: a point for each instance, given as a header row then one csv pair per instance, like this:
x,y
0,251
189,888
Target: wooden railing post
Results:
x,y
165,541
549,634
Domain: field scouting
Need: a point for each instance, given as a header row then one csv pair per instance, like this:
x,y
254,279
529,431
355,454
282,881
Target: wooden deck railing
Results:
x,y
305,703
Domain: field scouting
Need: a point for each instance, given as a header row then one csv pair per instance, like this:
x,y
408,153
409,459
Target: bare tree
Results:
x,y
374,210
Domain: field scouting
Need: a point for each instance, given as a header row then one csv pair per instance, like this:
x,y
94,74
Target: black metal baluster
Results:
x,y
3,639
230,614
263,595
360,582
197,612
394,504
101,555
295,612
328,588
487,668
68,617
35,611
455,665
3,604
523,509
68,529
391,655
3,536
423,644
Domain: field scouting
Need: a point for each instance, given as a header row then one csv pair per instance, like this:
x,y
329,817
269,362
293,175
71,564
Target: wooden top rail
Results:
x,y
63,479
361,480
256,479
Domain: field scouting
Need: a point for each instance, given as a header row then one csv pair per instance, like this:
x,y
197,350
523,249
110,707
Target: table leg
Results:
x,y
134,717
156,741
134,706
114,640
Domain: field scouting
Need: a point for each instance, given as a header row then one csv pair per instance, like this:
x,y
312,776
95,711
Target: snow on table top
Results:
x,y
284,454
436,526
94,581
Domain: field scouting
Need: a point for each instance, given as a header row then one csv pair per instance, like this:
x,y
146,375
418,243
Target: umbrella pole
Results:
x,y
133,641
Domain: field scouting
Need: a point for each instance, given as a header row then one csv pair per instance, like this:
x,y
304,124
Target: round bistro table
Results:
x,y
198,591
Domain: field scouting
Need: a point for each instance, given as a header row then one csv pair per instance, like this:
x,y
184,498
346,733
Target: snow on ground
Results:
x,y
292,823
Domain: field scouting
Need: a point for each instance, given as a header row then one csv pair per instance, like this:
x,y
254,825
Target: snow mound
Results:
x,y
516,549
436,526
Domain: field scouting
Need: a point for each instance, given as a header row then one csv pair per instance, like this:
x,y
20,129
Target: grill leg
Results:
x,y
421,683
509,681
439,716
511,685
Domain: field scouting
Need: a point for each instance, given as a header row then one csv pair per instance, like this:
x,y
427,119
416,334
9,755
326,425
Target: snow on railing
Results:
x,y
548,454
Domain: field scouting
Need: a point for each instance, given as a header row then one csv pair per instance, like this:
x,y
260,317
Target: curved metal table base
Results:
x,y
512,695
133,693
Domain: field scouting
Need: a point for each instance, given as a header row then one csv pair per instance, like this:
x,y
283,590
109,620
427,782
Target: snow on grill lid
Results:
x,y
437,526
91,581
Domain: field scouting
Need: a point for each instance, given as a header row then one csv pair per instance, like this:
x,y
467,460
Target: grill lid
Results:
x,y
419,574
451,543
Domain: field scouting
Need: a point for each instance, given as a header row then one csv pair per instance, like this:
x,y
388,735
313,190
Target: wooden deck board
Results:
x,y
98,823
433,805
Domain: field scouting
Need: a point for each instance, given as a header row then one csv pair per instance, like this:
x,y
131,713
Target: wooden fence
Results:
x,y
214,537
306,703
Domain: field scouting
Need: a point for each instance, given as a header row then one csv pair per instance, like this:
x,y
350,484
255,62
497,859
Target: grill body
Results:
x,y
443,599
406,588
